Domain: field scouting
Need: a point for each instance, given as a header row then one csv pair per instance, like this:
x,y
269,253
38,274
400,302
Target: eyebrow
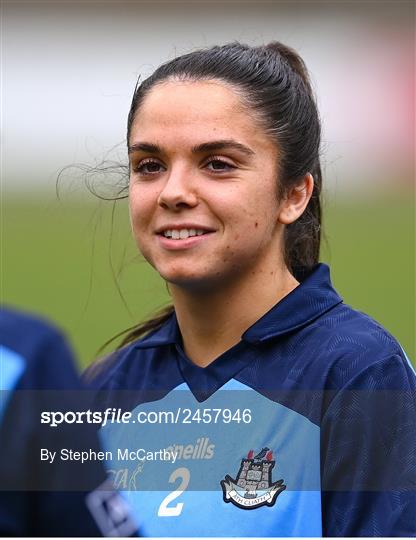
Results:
x,y
224,144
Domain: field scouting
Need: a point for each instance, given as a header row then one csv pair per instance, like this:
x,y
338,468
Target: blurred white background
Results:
x,y
69,69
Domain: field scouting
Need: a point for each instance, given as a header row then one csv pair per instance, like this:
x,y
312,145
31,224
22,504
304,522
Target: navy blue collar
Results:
x,y
311,299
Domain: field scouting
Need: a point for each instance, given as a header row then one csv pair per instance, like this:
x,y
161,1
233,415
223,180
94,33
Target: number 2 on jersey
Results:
x,y
171,511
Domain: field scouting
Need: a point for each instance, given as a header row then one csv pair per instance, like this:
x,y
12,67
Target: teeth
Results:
x,y
182,234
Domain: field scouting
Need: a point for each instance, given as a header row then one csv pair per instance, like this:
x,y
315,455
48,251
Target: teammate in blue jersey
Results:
x,y
48,497
260,404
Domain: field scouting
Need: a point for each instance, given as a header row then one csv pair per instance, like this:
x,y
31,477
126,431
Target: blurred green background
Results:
x,y
74,262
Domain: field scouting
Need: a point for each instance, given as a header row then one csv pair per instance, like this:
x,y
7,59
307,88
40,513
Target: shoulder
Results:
x,y
356,346
39,348
122,367
16,324
131,363
103,369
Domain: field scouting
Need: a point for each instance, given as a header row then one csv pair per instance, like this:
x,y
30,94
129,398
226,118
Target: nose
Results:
x,y
178,191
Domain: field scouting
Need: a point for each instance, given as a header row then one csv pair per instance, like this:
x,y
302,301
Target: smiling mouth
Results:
x,y
183,234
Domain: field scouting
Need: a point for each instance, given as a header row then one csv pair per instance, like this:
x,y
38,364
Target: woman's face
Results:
x,y
203,186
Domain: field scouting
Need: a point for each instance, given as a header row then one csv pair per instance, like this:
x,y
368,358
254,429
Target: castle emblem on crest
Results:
x,y
253,486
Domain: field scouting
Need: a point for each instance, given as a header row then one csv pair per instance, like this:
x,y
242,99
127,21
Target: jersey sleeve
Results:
x,y
368,459
40,498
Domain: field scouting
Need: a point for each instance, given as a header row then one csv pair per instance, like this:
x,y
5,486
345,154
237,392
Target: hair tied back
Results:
x,y
292,58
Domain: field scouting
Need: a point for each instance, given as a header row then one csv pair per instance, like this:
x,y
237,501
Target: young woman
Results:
x,y
261,404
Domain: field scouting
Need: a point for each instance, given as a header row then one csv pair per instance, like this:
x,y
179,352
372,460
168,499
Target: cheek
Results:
x,y
141,205
137,225
134,212
258,217
264,211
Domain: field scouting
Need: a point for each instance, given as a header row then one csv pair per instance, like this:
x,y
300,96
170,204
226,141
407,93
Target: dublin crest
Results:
x,y
253,486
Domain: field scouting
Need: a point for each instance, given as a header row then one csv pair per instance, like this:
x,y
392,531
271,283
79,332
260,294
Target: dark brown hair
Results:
x,y
274,83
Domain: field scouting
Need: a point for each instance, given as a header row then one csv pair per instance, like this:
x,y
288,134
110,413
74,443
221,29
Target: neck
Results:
x,y
213,321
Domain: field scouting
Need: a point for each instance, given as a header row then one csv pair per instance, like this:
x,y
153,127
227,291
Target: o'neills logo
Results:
x,y
253,486
202,449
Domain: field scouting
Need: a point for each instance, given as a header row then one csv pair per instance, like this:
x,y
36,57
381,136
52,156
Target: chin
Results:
x,y
186,279
197,282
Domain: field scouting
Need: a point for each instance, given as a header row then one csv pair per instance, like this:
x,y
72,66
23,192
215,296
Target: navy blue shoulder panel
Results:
x,y
39,498
47,357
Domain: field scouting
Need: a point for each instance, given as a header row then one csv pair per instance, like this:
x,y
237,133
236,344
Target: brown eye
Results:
x,y
148,167
219,165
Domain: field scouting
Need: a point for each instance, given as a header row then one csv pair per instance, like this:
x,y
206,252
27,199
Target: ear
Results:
x,y
296,200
